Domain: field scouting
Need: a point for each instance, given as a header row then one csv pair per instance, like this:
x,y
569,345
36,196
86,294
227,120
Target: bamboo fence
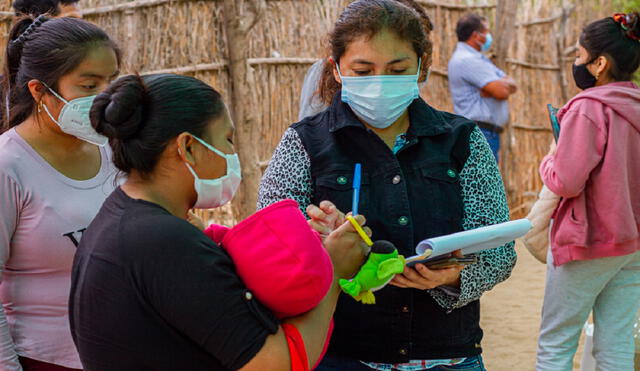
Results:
x,y
188,37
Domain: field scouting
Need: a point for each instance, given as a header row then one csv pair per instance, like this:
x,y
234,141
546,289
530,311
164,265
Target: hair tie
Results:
x,y
32,27
627,23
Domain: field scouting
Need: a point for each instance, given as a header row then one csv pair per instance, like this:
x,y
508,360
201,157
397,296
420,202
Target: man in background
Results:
x,y
479,89
55,8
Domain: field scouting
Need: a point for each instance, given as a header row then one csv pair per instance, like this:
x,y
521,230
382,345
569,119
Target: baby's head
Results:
x,y
279,258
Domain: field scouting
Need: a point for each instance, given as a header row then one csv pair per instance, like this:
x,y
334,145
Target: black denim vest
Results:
x,y
406,198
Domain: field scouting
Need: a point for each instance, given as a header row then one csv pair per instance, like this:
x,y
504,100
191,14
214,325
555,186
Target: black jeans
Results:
x,y
329,363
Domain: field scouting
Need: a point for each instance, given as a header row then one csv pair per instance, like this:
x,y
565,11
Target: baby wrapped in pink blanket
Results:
x,y
281,260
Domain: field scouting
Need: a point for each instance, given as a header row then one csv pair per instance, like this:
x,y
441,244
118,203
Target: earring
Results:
x,y
40,107
597,76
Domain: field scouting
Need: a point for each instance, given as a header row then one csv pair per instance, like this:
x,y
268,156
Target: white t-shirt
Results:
x,y
42,217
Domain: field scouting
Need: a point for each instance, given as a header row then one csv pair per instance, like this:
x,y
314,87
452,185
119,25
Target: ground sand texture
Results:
x,y
511,317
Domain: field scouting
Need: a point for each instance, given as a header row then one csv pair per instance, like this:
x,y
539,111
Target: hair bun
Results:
x,y
118,111
630,23
634,28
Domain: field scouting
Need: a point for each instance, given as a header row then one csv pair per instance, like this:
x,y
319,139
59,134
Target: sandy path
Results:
x,y
511,317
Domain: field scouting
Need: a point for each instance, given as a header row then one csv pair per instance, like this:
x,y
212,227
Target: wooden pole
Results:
x,y
132,38
240,16
561,45
504,29
7,16
447,5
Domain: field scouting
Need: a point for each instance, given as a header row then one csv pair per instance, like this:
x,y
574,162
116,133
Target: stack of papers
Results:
x,y
471,241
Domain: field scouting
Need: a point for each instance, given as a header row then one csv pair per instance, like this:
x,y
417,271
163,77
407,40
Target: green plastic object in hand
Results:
x,y
381,265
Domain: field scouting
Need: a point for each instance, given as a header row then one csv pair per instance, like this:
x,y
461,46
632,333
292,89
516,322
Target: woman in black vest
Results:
x,y
424,173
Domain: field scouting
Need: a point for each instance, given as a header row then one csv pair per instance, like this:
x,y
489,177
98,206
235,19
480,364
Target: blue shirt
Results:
x,y
470,71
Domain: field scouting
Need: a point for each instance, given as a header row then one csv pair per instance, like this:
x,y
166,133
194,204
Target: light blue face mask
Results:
x,y
379,100
487,43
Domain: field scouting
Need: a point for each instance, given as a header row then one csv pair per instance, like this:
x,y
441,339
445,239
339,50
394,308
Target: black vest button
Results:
x,y
403,220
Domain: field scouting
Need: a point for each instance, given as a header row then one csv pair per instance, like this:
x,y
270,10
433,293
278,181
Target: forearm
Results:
x,y
493,267
314,325
580,149
552,179
499,89
484,204
288,174
8,357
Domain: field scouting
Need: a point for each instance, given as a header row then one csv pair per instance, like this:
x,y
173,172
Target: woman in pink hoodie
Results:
x,y
594,260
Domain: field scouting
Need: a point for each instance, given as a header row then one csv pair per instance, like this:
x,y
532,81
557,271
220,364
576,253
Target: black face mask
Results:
x,y
583,78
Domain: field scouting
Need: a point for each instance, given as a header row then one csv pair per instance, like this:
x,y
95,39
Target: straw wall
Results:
x,y
542,54
188,37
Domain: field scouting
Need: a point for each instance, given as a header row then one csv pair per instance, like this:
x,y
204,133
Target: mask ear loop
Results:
x,y
338,69
212,148
195,176
54,93
218,152
46,109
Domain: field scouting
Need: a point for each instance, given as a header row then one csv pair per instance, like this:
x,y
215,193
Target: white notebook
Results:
x,y
471,241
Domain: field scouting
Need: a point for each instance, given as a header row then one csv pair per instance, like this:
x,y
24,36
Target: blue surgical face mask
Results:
x,y
487,43
379,100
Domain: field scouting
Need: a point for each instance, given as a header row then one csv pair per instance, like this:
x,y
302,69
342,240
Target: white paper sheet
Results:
x,y
472,241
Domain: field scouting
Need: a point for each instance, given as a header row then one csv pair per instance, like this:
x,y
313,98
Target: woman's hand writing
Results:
x,y
346,248
325,218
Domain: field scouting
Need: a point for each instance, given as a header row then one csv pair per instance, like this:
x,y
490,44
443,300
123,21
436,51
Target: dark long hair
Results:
x,y
38,7
617,39
44,50
367,18
141,114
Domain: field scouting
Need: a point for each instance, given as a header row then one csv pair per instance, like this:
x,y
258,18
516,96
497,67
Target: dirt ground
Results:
x,y
511,318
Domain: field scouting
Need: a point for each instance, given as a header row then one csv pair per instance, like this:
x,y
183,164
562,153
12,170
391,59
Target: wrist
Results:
x,y
455,283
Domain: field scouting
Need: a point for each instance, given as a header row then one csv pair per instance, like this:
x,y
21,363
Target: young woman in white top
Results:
x,y
55,173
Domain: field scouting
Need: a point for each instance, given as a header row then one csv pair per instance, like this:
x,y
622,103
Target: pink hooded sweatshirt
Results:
x,y
596,171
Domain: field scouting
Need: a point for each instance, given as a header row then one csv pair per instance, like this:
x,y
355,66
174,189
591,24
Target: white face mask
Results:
x,y
379,100
214,193
74,119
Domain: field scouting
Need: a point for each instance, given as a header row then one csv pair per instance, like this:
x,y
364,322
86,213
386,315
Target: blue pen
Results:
x,y
356,189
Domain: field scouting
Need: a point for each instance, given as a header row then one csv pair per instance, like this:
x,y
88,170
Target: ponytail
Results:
x,y
17,36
